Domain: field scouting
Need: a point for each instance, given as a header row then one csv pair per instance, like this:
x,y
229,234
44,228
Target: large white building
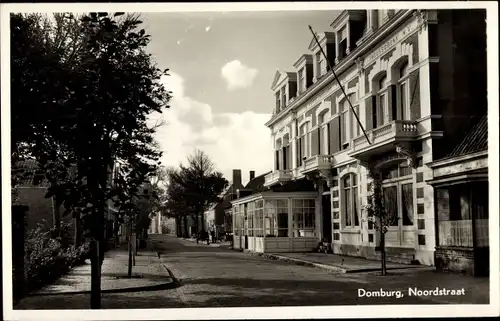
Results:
x,y
408,74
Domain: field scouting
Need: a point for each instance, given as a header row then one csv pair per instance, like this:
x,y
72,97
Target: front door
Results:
x,y
327,218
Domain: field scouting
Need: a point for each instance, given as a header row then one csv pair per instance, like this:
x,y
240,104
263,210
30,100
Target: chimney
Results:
x,y
236,177
252,175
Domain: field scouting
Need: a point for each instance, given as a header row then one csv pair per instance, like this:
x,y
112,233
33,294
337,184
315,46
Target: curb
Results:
x,y
329,268
290,260
163,286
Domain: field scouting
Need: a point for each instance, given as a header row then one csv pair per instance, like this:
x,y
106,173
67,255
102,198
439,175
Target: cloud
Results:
x,y
237,75
232,140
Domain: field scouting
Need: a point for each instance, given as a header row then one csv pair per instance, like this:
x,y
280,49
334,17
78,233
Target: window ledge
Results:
x,y
351,231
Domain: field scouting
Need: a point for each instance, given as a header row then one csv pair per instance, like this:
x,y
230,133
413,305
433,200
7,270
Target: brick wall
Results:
x,y
40,208
455,259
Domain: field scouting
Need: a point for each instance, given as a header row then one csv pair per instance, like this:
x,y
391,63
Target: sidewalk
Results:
x,y
337,263
147,274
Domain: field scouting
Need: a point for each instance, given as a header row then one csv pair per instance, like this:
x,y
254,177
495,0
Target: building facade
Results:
x,y
415,79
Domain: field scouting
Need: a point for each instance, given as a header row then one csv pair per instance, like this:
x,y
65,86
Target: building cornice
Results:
x,y
454,160
305,58
343,65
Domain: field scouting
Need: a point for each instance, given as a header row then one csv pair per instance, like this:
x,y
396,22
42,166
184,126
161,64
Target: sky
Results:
x,y
221,66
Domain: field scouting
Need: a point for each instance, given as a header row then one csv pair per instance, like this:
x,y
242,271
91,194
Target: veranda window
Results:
x,y
276,218
303,218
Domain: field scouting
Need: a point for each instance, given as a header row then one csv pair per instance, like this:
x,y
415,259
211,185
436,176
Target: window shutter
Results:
x,y
369,113
288,157
341,125
334,135
374,111
314,142
394,102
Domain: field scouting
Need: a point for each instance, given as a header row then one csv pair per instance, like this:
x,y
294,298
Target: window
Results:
x,y
324,148
304,222
249,218
355,130
304,142
259,218
344,126
382,104
404,94
319,63
283,97
342,45
398,197
302,80
350,200
278,102
398,171
390,194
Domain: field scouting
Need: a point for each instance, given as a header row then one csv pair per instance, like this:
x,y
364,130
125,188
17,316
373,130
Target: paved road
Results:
x,y
212,277
219,277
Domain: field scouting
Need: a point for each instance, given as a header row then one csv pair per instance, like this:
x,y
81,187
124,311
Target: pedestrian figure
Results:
x,y
213,237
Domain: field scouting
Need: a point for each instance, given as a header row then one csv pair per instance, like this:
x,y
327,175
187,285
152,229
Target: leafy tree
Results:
x,y
177,203
94,105
194,187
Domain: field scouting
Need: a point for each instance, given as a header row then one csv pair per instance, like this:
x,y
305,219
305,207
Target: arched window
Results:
x,y
324,147
404,92
382,102
350,200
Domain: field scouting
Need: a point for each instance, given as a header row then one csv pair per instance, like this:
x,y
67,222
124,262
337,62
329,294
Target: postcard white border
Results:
x,y
257,313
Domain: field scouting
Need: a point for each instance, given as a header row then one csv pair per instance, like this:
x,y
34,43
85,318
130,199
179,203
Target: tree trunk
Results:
x,y
78,229
57,215
95,291
382,252
130,251
186,232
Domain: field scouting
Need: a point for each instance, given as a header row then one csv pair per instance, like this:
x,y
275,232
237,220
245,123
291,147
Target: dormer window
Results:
x,y
302,80
319,63
283,97
342,42
278,102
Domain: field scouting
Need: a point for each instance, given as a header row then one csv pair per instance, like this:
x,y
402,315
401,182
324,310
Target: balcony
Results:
x,y
316,163
277,177
383,138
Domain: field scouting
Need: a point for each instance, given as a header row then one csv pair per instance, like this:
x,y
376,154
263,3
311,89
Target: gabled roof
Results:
x,y
320,36
476,140
282,75
257,184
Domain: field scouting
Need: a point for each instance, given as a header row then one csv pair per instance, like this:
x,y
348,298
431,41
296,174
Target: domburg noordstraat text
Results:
x,y
413,291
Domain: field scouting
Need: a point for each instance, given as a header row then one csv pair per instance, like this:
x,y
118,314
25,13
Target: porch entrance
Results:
x,y
327,217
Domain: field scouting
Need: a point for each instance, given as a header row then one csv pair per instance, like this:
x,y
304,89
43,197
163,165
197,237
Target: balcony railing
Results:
x,y
276,177
316,163
395,131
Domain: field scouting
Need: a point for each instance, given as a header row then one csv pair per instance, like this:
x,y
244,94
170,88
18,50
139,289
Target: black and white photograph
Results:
x,y
249,160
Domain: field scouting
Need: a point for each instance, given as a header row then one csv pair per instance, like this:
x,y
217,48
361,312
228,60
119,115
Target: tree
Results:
x,y
93,105
377,213
177,203
195,187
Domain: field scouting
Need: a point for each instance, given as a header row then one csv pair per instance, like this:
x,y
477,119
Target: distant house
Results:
x,y
31,190
215,216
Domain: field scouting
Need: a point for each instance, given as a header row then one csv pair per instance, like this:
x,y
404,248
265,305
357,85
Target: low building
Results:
x,y
215,216
460,183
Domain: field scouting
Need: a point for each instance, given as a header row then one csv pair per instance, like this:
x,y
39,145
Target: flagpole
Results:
x,y
340,85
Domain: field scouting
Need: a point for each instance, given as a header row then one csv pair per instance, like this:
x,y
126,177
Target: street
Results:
x,y
220,277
